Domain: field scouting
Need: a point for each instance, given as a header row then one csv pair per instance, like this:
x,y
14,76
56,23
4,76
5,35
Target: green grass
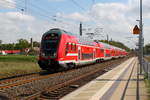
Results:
x,y
13,65
147,83
17,58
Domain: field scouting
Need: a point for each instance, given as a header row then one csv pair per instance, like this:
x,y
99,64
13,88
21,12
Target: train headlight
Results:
x,y
42,54
54,54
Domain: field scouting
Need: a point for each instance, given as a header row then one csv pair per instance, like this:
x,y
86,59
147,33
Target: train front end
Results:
x,y
49,49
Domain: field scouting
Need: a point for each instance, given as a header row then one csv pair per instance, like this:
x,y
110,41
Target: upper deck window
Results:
x,y
51,36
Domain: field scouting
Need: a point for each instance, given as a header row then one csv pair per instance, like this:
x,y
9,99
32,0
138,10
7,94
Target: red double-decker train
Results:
x,y
62,50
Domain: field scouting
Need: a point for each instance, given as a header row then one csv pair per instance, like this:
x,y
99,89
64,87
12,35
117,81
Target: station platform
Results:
x,y
121,83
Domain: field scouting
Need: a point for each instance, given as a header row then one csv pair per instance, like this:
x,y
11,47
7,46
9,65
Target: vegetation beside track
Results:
x,y
13,65
148,58
147,82
116,43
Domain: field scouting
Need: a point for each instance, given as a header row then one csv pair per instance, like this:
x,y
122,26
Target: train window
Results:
x,y
52,36
75,47
101,50
67,47
71,46
87,55
50,45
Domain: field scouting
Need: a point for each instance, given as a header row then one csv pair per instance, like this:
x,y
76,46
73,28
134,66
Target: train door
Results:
x,y
79,53
94,54
104,53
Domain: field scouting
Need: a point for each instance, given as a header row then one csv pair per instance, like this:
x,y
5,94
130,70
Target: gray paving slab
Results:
x,y
111,85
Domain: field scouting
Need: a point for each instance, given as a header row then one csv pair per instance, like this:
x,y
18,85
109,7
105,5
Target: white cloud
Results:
x,y
116,19
14,25
7,4
19,16
77,16
109,11
113,18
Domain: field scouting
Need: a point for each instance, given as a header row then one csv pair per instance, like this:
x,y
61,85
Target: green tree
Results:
x,y
36,44
116,43
22,44
0,41
147,49
7,46
0,44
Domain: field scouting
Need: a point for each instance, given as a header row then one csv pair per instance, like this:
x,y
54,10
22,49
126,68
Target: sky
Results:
x,y
31,18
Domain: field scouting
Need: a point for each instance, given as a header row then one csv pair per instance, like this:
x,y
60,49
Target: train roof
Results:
x,y
109,46
82,40
86,42
54,30
59,31
104,45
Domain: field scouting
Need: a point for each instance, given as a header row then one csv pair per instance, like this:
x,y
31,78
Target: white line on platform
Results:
x,y
105,88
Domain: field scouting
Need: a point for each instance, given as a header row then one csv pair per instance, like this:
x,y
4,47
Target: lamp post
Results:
x,y
141,39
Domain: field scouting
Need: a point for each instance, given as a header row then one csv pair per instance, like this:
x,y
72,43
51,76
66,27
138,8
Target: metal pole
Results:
x,y
31,42
107,38
80,29
141,40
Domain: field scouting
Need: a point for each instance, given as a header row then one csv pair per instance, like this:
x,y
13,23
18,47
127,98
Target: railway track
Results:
x,y
20,77
16,79
51,85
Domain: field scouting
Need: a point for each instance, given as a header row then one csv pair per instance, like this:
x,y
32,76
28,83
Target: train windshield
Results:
x,y
50,44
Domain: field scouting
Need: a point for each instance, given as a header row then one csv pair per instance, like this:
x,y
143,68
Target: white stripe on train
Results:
x,y
72,54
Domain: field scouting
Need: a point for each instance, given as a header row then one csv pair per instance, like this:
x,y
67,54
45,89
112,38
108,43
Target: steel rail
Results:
x,y
66,83
52,88
21,82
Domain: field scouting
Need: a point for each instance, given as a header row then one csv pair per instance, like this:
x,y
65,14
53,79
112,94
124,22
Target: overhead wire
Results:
x,y
45,12
37,10
20,7
73,1
82,8
37,7
12,5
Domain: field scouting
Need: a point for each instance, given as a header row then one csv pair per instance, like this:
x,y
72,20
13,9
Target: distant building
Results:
x,y
5,52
